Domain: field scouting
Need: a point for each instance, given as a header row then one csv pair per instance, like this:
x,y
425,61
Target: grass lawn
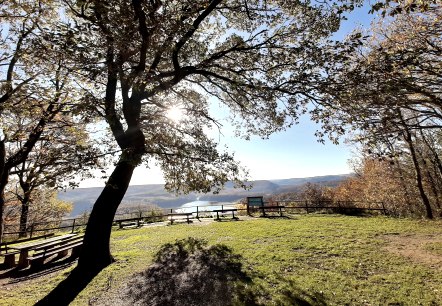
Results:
x,y
305,260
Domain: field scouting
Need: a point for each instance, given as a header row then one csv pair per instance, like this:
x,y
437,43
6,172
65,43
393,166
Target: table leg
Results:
x,y
23,261
10,260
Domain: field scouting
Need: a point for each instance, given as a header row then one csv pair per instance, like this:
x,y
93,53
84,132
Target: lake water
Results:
x,y
203,206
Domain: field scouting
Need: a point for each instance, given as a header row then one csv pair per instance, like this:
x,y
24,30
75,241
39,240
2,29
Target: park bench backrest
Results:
x,y
255,201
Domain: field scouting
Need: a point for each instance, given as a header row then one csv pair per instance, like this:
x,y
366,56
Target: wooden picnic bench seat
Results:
x,y
129,222
225,210
60,249
271,208
53,244
187,215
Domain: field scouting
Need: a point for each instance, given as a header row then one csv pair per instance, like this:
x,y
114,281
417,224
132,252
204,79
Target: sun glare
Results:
x,y
175,113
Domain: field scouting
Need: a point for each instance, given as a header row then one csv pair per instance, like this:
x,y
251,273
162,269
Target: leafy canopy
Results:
x,y
137,60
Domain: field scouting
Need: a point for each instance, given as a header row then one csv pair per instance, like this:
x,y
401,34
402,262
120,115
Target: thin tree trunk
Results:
x,y
24,215
398,167
433,150
3,182
433,188
27,190
404,185
425,200
437,168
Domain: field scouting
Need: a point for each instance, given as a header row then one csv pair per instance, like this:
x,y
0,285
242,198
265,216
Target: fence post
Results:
x,y
306,206
197,213
73,227
383,208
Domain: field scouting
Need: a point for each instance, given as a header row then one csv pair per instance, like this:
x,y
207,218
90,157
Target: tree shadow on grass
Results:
x,y
188,272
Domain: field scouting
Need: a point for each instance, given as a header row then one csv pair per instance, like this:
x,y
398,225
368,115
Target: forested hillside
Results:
x,y
83,198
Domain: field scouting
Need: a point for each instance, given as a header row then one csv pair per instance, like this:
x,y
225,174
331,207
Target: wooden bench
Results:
x,y
187,215
271,208
222,211
130,221
60,248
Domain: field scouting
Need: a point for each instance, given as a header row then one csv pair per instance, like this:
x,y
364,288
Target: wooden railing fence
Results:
x,y
72,224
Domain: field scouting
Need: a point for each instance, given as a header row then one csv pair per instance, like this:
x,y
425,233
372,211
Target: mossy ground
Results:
x,y
318,259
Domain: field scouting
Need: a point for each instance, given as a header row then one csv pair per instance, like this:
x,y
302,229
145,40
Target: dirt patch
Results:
x,y
413,247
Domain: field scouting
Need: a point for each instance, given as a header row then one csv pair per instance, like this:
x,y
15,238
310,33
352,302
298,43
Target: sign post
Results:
x,y
254,201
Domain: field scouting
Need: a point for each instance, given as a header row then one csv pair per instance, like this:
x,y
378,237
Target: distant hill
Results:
x,y
84,198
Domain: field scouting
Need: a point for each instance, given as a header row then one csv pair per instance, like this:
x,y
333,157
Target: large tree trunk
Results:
x,y
95,254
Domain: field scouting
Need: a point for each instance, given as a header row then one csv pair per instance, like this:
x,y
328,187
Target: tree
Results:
x,y
27,86
396,66
45,210
386,86
139,59
62,155
316,194
46,207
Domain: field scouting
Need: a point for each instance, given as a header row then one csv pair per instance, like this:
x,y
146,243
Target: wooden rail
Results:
x,y
338,205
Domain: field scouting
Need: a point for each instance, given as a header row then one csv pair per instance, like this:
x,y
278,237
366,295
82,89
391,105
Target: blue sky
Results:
x,y
289,154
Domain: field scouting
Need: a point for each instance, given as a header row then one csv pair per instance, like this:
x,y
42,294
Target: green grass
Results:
x,y
329,259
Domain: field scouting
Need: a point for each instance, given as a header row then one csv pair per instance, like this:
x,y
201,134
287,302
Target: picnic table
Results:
x,y
224,210
24,249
